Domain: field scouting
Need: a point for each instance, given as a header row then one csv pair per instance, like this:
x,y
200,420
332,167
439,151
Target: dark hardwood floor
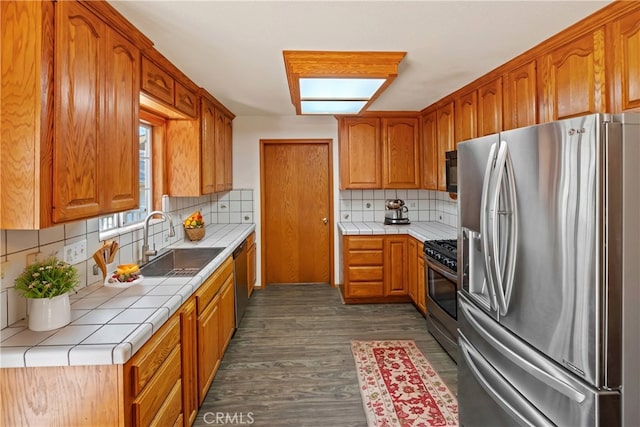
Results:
x,y
290,364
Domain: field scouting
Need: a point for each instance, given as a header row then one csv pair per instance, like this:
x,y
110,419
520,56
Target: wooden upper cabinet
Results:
x,y
26,121
360,152
520,99
199,152
430,150
96,117
157,82
490,107
121,184
185,100
572,78
466,116
208,145
223,151
624,63
446,141
401,152
80,68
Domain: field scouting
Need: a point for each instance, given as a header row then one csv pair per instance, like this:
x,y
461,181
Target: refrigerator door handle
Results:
x,y
504,273
484,227
524,413
541,373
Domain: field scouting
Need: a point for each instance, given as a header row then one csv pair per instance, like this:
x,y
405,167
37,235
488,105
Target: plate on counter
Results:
x,y
115,283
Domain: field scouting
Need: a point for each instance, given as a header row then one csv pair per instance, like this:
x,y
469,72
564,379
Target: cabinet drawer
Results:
x,y
157,82
148,403
364,243
150,357
186,101
365,273
366,258
212,285
171,409
365,289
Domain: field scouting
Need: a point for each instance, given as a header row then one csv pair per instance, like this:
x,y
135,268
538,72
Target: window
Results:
x,y
123,219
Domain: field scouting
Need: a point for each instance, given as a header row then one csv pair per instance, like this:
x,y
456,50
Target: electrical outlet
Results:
x,y
75,252
4,266
33,257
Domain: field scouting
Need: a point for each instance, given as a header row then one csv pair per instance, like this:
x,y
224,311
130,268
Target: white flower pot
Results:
x,y
46,314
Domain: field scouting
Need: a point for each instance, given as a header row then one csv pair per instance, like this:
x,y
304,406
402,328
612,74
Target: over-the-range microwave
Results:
x,y
452,171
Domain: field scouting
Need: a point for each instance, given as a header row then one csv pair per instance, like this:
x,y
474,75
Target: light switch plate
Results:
x,y
75,252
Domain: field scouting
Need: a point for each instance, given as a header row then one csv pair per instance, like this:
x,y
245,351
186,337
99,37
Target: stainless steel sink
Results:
x,y
180,262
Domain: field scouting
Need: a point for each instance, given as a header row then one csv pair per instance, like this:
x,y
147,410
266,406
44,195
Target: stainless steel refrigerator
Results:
x,y
549,274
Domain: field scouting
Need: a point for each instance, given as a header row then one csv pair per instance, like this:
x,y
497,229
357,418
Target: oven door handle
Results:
x,y
434,265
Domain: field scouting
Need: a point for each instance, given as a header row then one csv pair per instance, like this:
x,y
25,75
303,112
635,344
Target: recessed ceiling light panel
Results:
x,y
339,78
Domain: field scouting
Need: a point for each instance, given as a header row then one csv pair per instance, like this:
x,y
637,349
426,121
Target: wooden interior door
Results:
x,y
296,209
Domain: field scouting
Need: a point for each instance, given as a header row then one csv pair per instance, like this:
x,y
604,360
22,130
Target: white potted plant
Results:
x,y
46,285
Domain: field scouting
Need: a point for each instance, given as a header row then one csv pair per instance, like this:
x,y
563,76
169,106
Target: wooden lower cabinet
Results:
x,y
162,384
416,274
189,345
251,262
375,269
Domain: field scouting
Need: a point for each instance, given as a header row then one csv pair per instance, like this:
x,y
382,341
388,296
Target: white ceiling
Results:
x,y
234,48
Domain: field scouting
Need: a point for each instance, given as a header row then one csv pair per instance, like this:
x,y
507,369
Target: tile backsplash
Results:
x,y
233,207
423,205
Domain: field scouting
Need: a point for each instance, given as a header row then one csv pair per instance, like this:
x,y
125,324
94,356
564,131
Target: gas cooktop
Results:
x,y
444,252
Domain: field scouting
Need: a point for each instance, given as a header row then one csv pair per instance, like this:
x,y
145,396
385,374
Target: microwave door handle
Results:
x,y
484,227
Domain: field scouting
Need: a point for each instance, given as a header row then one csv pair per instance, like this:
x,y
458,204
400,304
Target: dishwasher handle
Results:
x,y
239,249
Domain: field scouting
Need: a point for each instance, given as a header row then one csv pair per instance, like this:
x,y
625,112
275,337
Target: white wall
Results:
x,y
247,133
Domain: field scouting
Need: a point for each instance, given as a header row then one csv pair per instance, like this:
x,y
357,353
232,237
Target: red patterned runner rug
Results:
x,y
399,386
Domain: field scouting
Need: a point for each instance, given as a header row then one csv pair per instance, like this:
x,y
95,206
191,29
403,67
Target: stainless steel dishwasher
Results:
x,y
241,284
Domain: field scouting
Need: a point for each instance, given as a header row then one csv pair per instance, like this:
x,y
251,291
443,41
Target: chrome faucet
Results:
x,y
146,252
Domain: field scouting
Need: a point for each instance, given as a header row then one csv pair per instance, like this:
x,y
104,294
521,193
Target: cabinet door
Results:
x,y
446,141
186,101
228,153
79,86
227,313
572,79
208,147
395,266
208,347
520,99
422,284
121,183
430,151
219,147
189,347
412,267
251,267
625,63
401,152
360,152
490,107
466,116
157,82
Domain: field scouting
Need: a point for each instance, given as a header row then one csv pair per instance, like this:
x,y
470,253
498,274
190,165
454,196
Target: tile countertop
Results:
x,y
109,325
420,230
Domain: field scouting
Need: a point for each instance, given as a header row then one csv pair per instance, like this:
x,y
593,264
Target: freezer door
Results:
x,y
499,372
555,302
476,161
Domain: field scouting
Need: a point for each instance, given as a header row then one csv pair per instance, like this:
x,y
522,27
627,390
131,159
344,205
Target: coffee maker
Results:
x,y
395,212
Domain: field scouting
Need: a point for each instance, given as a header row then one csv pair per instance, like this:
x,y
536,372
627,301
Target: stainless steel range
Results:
x,y
441,265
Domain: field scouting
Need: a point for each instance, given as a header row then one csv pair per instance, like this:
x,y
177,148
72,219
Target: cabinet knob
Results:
x,y
325,221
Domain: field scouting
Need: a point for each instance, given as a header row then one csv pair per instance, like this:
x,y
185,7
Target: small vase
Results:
x,y
46,314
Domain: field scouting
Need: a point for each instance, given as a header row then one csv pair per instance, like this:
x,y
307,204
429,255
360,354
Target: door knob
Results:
x,y
325,220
